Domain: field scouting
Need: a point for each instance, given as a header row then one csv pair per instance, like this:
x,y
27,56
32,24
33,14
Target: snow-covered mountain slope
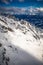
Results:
x,y
20,43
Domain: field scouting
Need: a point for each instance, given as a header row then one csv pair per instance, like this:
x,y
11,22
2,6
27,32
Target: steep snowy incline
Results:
x,y
20,43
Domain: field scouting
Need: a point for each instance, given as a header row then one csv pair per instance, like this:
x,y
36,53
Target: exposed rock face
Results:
x,y
20,43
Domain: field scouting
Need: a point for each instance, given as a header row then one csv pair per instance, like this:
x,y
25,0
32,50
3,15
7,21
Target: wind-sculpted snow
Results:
x,y
20,43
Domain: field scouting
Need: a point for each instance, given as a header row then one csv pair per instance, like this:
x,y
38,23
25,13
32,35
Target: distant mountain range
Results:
x,y
15,10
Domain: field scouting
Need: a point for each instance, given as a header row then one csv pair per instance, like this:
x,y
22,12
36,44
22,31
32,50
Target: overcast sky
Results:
x,y
21,3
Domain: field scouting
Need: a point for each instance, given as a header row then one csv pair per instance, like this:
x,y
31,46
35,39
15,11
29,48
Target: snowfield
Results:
x,y
20,43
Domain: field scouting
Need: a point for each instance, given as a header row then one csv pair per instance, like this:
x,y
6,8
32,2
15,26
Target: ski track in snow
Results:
x,y
20,43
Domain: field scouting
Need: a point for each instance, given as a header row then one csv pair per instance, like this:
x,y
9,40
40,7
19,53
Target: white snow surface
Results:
x,y
20,43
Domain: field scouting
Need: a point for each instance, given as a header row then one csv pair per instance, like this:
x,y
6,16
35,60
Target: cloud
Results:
x,y
5,1
21,0
39,0
11,0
